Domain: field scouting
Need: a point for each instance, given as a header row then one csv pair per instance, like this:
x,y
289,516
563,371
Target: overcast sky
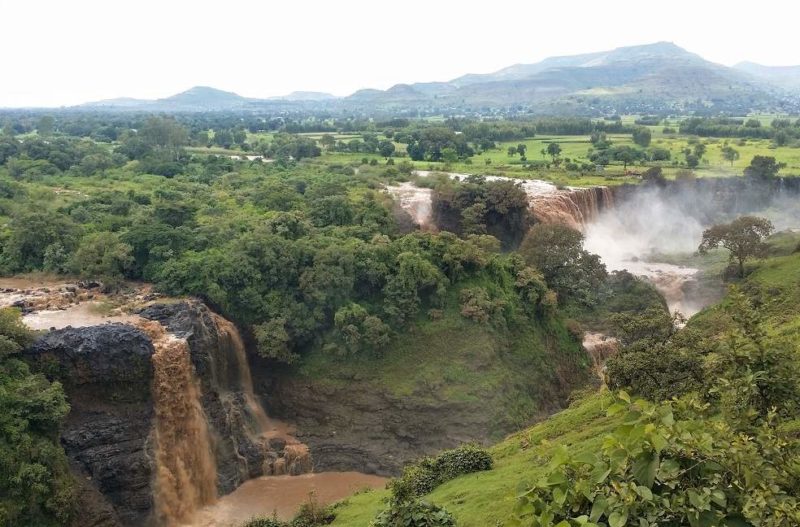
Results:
x,y
65,52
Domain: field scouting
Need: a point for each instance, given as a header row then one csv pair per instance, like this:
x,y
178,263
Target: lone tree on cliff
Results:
x,y
763,168
743,237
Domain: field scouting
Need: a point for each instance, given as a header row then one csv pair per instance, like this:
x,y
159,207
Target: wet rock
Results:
x,y
106,371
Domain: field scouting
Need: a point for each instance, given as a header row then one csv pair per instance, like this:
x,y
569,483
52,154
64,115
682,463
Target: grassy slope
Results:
x,y
486,499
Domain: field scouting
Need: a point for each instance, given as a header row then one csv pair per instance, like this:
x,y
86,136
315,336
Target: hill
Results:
x,y
655,77
202,98
784,76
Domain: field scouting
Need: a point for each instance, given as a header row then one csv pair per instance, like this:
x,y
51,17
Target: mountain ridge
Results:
x,y
657,77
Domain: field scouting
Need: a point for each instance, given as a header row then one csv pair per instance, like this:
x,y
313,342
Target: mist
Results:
x,y
649,223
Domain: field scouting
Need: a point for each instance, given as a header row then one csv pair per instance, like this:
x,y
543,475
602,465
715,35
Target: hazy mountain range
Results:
x,y
649,78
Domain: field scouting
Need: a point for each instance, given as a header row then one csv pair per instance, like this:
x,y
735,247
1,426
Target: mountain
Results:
x,y
784,76
649,78
305,96
118,102
653,78
659,50
203,98
197,99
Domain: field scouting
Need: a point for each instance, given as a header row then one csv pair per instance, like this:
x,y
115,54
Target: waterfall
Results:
x,y
261,429
185,468
573,207
600,348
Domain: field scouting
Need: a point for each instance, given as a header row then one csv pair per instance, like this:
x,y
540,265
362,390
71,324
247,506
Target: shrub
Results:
x,y
414,514
264,522
312,514
478,306
669,464
430,472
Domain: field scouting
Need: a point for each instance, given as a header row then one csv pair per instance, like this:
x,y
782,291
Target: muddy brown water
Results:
x,y
282,496
78,316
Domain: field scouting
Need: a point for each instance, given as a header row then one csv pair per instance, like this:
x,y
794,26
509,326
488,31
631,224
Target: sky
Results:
x,y
61,53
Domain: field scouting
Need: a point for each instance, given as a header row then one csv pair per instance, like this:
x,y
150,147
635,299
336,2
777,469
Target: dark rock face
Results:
x,y
363,428
106,372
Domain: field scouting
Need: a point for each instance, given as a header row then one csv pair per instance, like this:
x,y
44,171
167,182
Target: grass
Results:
x,y
486,499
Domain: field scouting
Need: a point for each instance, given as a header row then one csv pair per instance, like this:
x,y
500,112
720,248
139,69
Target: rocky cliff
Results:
x,y
106,371
108,374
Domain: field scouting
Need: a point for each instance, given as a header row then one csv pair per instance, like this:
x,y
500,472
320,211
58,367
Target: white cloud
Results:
x,y
63,53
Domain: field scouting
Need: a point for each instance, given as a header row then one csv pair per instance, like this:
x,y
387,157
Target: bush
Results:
x,y
414,514
312,514
478,306
430,472
264,522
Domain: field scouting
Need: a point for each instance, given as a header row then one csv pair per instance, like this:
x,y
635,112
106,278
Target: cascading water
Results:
x,y
185,469
571,206
296,458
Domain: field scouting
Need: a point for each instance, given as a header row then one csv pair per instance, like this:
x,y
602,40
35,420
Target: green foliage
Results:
x,y
762,168
102,255
359,331
754,373
34,235
35,483
743,237
642,136
414,514
310,514
655,360
478,306
422,477
670,464
478,206
572,272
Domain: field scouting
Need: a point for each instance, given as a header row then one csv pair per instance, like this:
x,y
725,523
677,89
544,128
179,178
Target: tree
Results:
x,y
557,252
35,483
449,155
45,126
730,154
166,134
699,150
642,136
654,175
30,236
512,151
521,149
625,154
101,255
386,149
554,150
655,360
327,141
743,237
762,168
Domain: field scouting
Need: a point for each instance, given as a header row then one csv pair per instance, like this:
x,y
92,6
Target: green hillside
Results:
x,y
488,498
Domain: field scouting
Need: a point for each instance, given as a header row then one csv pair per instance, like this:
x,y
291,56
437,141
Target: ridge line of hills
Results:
x,y
654,77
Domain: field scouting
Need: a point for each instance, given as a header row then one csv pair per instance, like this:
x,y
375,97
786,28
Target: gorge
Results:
x,y
199,448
